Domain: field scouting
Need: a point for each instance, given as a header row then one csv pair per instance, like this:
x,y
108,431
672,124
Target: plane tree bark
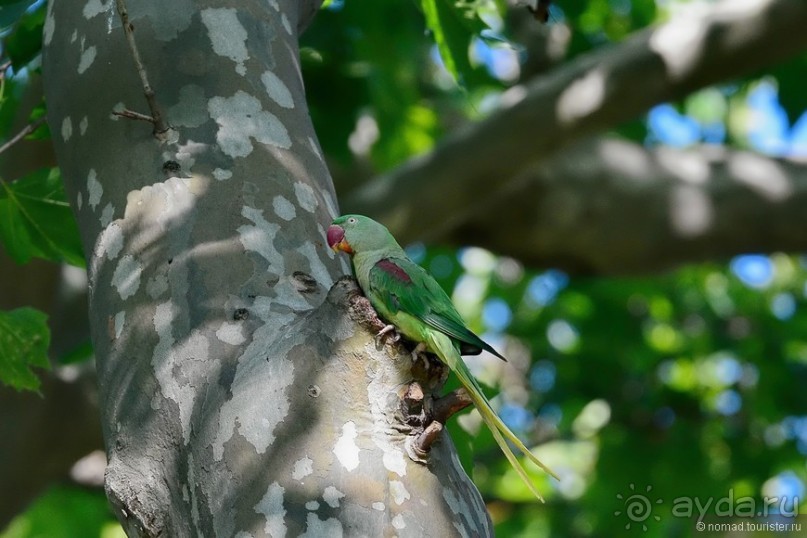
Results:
x,y
240,388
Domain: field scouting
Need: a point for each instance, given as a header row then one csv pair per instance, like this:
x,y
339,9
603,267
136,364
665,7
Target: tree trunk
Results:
x,y
239,396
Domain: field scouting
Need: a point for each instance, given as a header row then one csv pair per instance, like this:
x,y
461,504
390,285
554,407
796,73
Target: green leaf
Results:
x,y
66,512
453,24
25,42
24,341
36,220
42,132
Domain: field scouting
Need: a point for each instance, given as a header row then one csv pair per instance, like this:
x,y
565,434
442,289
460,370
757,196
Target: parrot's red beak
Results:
x,y
336,239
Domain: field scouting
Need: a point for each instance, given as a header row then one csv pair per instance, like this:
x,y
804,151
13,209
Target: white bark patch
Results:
x,y
231,333
111,241
457,507
126,278
67,128
345,449
220,174
158,284
317,528
461,529
679,43
398,522
684,165
87,57
283,208
306,196
312,505
189,356
314,147
302,468
107,214
691,211
79,200
94,189
257,418
582,97
82,126
190,110
330,203
96,7
185,153
120,319
393,458
379,506
332,496
285,22
259,238
399,492
277,90
240,118
318,269
228,35
761,175
50,25
271,506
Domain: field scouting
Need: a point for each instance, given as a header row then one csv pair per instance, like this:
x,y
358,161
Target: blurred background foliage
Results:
x,y
689,384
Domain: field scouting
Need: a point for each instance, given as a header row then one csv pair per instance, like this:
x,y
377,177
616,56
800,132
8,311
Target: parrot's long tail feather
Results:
x,y
498,428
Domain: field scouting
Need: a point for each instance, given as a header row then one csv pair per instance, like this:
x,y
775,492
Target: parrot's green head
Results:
x,y
357,233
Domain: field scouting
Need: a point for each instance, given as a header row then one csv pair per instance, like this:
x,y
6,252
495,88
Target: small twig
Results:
x,y
160,126
451,404
132,115
28,129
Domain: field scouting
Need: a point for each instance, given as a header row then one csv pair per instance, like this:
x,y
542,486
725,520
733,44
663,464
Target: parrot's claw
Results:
x,y
386,330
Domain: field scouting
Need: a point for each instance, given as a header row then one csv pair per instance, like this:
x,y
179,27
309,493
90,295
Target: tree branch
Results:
x,y
614,207
157,119
594,92
25,131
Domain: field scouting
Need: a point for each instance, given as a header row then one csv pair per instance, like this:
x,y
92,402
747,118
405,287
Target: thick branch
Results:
x,y
613,207
594,92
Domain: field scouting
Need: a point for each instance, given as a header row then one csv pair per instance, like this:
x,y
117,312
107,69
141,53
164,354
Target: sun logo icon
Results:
x,y
638,507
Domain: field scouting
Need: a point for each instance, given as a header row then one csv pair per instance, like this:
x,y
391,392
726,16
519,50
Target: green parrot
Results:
x,y
411,301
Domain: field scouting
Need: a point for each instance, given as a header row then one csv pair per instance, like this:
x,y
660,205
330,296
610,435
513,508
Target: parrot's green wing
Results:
x,y
405,286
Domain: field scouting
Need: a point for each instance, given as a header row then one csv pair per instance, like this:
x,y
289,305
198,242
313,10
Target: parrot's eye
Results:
x,y
351,220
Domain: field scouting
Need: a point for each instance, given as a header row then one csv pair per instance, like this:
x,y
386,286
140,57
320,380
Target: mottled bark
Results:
x,y
238,396
611,85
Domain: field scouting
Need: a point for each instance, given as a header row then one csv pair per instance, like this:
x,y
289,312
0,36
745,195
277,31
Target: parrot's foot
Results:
x,y
386,330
